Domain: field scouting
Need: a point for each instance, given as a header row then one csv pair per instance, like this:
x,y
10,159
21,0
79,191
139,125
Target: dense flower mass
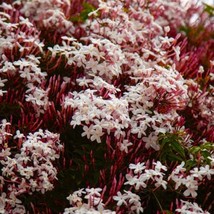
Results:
x,y
106,106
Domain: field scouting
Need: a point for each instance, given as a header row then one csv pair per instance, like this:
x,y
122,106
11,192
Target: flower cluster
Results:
x,y
32,169
108,103
191,181
94,202
190,208
129,199
108,116
141,179
49,14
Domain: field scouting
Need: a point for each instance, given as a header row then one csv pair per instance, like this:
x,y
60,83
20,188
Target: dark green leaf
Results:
x,y
205,154
178,148
190,164
174,157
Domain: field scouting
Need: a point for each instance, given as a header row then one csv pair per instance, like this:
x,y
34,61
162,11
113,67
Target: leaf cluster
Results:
x,y
173,149
200,155
83,15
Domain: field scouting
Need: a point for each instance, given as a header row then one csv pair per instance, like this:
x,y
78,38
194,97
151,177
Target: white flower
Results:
x,y
38,97
201,70
25,21
92,65
5,153
8,67
179,169
2,81
138,168
177,52
138,182
13,200
74,199
212,161
159,166
131,180
2,92
87,131
192,186
160,182
151,141
83,81
85,209
179,180
134,200
190,208
93,192
150,173
196,173
206,171
124,145
97,133
121,199
191,191
2,203
19,209
18,135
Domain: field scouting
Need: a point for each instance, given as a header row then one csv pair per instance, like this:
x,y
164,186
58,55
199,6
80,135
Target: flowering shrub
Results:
x,y
106,106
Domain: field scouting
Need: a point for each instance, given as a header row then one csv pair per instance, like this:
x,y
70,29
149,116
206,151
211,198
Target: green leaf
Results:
x,y
189,164
205,154
83,16
208,146
209,9
194,149
171,147
185,29
174,157
178,148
